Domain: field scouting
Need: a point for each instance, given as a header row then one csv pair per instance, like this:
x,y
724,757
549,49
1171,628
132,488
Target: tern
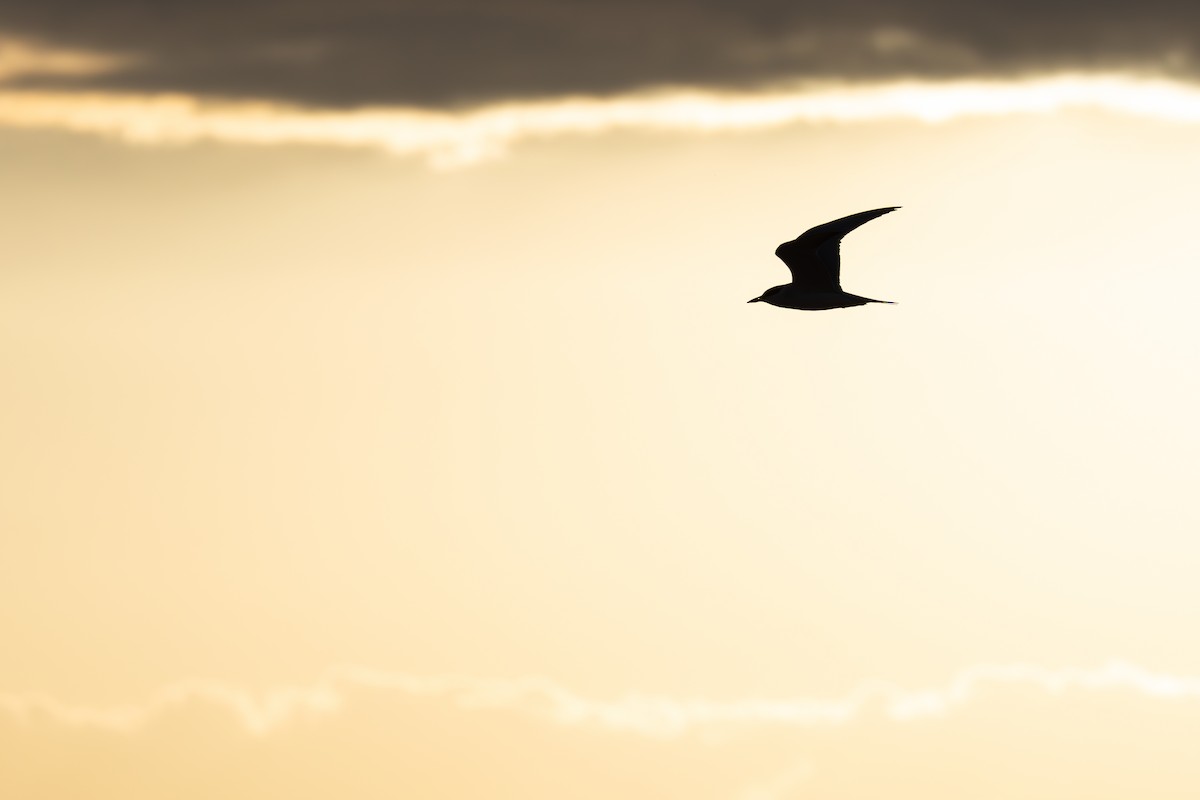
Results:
x,y
815,262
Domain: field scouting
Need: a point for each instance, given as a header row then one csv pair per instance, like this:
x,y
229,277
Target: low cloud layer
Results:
x,y
454,139
646,715
993,731
419,52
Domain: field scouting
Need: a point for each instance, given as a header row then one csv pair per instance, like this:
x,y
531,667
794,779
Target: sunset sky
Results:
x,y
383,416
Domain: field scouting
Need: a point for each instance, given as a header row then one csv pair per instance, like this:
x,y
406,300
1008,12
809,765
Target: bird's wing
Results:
x,y
814,256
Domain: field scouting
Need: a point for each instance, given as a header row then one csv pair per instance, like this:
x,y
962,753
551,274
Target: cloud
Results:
x,y
421,52
1108,733
641,714
465,137
25,59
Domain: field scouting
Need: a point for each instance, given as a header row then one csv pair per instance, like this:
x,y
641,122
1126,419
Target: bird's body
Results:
x,y
788,296
815,263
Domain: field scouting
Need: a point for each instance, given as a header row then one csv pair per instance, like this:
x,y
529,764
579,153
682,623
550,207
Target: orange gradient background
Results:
x,y
328,473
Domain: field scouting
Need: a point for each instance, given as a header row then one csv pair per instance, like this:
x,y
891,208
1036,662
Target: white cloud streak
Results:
x,y
20,58
459,138
647,715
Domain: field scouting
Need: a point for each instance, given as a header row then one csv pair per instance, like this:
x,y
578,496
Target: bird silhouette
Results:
x,y
815,261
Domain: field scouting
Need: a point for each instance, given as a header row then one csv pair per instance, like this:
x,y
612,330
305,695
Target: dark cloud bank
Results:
x,y
444,52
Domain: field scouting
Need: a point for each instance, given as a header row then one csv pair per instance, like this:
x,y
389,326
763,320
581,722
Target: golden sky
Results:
x,y
433,451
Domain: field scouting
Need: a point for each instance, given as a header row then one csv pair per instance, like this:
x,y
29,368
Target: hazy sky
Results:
x,y
384,417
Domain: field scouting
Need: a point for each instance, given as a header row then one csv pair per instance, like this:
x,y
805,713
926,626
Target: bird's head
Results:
x,y
763,297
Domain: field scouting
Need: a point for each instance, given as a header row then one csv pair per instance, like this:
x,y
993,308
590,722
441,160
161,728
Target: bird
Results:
x,y
815,262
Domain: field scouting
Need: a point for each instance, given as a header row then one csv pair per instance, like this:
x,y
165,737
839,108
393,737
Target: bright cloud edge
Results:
x,y
461,138
655,716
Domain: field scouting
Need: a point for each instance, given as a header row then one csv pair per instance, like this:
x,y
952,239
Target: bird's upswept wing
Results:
x,y
814,256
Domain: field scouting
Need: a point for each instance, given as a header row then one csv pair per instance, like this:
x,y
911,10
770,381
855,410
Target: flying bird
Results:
x,y
816,265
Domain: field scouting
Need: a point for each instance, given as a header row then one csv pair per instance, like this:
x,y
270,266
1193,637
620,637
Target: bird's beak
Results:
x,y
755,300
